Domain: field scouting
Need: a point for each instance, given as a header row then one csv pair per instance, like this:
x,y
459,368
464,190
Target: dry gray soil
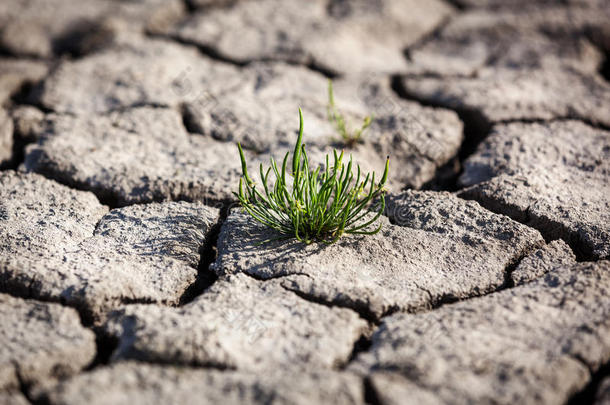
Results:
x,y
129,276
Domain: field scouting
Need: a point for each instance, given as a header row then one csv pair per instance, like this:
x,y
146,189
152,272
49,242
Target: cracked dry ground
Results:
x,y
125,277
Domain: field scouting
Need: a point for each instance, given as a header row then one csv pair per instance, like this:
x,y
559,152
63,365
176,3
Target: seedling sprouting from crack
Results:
x,y
313,205
349,139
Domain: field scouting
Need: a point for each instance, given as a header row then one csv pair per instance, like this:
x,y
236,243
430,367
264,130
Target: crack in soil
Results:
x,y
213,54
604,69
476,129
106,197
446,299
204,280
371,396
434,302
189,121
361,310
24,387
593,124
550,230
17,150
510,268
460,6
362,345
204,50
19,98
432,35
105,345
274,277
208,255
588,393
364,342
447,174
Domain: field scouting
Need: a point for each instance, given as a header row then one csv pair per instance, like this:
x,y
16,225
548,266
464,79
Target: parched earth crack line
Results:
x,y
588,393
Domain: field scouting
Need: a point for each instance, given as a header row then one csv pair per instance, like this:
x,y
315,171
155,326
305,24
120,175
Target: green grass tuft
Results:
x,y
313,205
348,138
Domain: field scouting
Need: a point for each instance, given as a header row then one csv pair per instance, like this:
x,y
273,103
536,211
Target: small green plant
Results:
x,y
348,138
313,205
